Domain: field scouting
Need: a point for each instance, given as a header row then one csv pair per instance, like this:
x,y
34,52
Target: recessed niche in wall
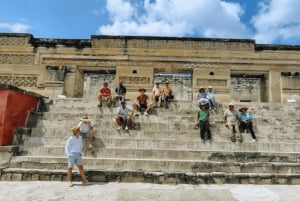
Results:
x,y
211,73
134,71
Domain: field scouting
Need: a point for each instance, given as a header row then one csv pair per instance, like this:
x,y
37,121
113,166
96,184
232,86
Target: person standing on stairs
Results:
x,y
87,129
156,94
73,150
245,119
203,118
231,120
166,94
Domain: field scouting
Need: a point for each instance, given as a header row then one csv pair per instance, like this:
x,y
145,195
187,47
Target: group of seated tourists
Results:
x,y
160,97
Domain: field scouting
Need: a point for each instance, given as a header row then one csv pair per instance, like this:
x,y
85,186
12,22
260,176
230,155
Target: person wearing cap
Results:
x,y
166,94
86,127
120,93
156,94
202,96
124,115
142,102
105,92
245,119
73,150
203,119
210,95
231,120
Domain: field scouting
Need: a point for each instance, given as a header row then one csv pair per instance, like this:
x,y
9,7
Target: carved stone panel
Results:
x,y
16,58
135,80
13,41
19,80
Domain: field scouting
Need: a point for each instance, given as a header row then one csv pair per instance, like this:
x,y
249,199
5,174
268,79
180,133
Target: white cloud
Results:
x,y
14,27
277,21
208,18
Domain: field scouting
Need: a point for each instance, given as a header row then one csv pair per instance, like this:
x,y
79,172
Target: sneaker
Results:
x,y
119,128
137,114
70,184
85,183
254,140
146,113
90,146
126,128
100,105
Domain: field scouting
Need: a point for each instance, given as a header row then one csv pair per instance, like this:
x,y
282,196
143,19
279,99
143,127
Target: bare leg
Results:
x,y
69,176
82,174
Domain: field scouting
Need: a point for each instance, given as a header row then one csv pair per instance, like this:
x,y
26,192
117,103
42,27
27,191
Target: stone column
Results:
x,y
275,87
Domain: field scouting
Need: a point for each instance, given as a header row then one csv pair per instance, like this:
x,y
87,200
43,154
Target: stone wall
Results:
x,y
25,62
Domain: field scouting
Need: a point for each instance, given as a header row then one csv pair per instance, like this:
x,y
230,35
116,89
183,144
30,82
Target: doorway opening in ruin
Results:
x,y
93,81
180,81
248,87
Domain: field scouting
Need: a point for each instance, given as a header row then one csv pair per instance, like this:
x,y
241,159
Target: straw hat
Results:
x,y
85,118
243,108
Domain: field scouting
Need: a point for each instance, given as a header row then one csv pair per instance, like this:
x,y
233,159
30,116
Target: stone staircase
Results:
x,y
163,147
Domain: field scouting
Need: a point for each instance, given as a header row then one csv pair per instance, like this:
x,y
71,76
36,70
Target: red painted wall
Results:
x,y
14,109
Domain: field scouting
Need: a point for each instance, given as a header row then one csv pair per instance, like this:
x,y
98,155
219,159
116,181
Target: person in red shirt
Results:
x,y
142,102
104,92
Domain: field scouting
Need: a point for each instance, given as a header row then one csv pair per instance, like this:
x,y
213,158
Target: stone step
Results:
x,y
178,139
18,174
158,165
125,143
176,154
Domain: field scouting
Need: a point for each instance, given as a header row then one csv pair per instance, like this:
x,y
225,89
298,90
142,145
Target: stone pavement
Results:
x,y
60,191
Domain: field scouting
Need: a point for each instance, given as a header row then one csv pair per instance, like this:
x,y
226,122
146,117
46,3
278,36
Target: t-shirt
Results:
x,y
121,90
105,91
167,91
124,112
245,116
73,145
84,126
203,115
232,116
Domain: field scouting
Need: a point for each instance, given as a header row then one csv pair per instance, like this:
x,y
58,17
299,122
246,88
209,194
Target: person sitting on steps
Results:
x,y
202,96
120,93
231,120
124,115
142,103
104,92
245,119
85,126
210,95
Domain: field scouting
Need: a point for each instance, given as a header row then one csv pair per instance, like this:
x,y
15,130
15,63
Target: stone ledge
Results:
x,y
12,148
11,174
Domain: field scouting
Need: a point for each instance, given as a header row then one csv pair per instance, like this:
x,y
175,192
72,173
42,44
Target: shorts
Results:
x,y
143,105
84,134
74,158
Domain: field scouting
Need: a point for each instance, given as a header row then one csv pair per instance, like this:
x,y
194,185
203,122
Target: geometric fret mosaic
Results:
x,y
19,81
17,58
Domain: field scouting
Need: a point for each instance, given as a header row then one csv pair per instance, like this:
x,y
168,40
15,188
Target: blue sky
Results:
x,y
266,21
